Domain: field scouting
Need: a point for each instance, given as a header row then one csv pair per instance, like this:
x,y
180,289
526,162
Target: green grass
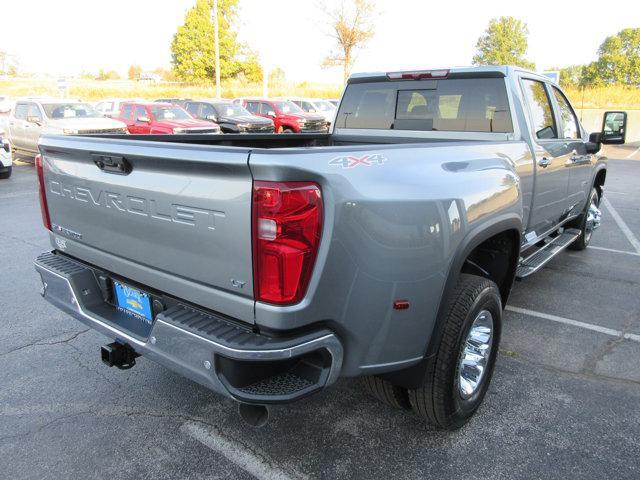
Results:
x,y
94,90
626,98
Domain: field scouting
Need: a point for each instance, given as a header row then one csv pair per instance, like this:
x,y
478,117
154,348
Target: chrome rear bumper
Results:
x,y
202,346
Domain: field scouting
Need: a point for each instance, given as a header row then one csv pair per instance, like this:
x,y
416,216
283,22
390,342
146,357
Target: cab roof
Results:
x,y
453,72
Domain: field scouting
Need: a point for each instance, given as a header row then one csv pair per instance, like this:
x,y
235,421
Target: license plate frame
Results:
x,y
133,301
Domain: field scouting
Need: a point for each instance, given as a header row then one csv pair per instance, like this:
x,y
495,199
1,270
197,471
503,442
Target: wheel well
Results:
x,y
599,181
496,258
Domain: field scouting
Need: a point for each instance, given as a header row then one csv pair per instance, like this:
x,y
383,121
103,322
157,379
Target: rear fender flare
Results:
x,y
413,377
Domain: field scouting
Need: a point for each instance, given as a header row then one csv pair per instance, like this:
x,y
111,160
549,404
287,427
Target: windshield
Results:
x,y
170,113
287,107
231,110
70,110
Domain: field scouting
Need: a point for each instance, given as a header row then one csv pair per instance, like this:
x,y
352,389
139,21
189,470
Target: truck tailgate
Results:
x,y
178,219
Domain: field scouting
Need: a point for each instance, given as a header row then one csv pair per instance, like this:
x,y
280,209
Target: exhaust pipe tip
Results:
x,y
255,415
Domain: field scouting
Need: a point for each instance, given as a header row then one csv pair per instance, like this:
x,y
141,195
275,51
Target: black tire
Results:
x,y
287,130
7,174
439,400
387,393
583,240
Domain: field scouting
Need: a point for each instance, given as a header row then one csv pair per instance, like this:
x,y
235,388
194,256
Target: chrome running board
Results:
x,y
541,257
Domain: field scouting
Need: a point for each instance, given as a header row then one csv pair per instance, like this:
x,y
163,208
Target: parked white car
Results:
x,y
5,156
5,104
316,105
32,117
110,107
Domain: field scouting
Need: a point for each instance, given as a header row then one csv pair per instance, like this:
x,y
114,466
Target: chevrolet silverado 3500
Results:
x,y
266,267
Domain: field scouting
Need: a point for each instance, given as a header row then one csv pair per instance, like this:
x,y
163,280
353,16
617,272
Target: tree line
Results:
x,y
351,25
505,41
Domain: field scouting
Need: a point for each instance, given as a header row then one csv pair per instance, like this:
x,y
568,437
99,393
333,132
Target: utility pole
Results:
x,y
265,79
214,19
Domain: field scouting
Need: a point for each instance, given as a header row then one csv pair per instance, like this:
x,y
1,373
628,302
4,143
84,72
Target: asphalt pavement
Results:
x,y
564,401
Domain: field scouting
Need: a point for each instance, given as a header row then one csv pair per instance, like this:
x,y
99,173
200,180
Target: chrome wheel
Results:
x,y
475,354
593,219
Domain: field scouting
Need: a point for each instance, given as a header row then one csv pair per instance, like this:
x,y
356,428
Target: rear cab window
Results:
x,y
453,105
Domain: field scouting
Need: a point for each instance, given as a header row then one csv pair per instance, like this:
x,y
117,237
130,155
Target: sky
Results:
x,y
71,36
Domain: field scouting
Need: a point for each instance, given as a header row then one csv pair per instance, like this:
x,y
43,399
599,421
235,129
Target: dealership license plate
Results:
x,y
133,301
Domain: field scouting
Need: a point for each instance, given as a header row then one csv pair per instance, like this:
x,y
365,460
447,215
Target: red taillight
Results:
x,y
44,209
287,226
420,75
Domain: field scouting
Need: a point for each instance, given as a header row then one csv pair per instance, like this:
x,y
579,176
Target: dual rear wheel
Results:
x,y
459,371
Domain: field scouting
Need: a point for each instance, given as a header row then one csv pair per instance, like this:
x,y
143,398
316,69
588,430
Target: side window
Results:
x,y
252,107
568,121
126,112
192,108
265,108
544,125
34,111
21,111
140,112
207,110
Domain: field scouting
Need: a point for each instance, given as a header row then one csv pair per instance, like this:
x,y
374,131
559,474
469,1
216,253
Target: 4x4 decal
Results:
x,y
351,161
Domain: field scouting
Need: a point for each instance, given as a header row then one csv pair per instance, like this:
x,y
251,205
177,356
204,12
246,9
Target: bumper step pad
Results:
x,y
207,347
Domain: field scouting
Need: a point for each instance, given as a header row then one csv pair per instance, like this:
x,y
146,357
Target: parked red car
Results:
x,y
152,117
287,116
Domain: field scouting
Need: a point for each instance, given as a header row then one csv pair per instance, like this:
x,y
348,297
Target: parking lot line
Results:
x,y
623,226
238,454
605,249
568,321
637,150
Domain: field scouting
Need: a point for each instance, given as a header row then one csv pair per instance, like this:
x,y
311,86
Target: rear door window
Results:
x,y
542,120
455,105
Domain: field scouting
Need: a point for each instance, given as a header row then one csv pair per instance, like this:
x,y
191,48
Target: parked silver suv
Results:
x,y
32,117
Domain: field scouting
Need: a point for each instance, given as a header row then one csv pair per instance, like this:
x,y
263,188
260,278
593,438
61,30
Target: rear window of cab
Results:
x,y
454,105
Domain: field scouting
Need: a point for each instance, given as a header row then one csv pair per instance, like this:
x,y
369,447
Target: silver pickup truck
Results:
x,y
265,267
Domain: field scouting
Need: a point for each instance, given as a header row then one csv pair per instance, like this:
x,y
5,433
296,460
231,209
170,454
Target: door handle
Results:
x,y
544,162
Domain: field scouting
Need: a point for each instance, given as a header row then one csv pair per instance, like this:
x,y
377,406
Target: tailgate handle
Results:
x,y
112,164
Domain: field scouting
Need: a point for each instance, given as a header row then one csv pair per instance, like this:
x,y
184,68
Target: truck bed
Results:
x,y
277,141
